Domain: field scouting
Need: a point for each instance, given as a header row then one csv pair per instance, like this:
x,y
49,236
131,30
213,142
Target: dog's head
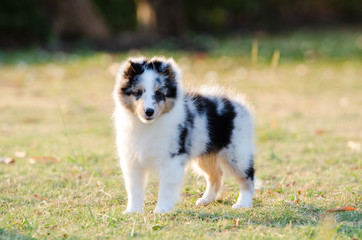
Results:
x,y
148,88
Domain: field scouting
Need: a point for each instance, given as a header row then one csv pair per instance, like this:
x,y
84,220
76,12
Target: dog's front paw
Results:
x,y
242,205
133,210
203,201
162,210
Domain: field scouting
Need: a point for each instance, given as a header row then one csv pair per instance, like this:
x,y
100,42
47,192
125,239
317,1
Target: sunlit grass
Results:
x,y
307,109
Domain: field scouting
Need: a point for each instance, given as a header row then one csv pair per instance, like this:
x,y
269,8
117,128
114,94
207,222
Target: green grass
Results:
x,y
306,110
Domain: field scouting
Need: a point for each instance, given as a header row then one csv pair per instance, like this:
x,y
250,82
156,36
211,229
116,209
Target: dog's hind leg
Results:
x,y
242,168
213,173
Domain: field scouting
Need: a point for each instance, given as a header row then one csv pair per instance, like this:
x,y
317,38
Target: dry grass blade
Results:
x,y
38,197
342,209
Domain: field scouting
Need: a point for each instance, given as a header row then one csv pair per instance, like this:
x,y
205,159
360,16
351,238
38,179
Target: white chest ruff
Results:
x,y
147,144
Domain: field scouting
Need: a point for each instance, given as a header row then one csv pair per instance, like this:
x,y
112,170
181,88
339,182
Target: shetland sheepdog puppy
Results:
x,y
160,128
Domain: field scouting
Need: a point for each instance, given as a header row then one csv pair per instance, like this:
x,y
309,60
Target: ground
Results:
x,y
307,108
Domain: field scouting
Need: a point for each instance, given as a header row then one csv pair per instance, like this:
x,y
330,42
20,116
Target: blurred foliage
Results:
x,y
24,22
229,15
305,45
119,14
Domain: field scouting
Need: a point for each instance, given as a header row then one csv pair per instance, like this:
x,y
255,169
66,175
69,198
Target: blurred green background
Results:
x,y
123,24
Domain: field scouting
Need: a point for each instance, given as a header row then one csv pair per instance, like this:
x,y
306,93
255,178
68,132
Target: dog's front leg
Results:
x,y
171,176
135,181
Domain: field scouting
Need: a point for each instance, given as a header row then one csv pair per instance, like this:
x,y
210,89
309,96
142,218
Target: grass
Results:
x,y
307,109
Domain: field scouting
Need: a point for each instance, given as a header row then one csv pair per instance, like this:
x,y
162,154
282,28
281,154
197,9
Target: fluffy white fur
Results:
x,y
144,146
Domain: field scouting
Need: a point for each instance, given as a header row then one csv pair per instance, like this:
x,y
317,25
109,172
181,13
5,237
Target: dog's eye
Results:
x,y
138,93
159,93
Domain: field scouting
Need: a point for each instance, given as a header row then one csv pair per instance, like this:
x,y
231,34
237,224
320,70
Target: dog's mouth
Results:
x,y
147,119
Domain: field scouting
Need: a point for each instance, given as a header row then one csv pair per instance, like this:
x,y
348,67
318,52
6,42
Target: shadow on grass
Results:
x,y
276,216
284,215
4,234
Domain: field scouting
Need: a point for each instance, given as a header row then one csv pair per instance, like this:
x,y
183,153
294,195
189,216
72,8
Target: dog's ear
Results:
x,y
167,68
133,66
159,65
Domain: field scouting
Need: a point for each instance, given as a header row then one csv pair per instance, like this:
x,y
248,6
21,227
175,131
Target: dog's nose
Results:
x,y
149,112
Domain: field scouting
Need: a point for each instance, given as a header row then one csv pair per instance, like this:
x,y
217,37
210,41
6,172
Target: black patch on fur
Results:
x,y
250,172
169,91
182,139
138,94
171,87
166,70
127,90
199,103
189,116
131,74
159,96
156,65
133,69
220,126
185,133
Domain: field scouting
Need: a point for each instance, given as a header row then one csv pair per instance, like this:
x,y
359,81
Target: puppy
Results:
x,y
160,128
